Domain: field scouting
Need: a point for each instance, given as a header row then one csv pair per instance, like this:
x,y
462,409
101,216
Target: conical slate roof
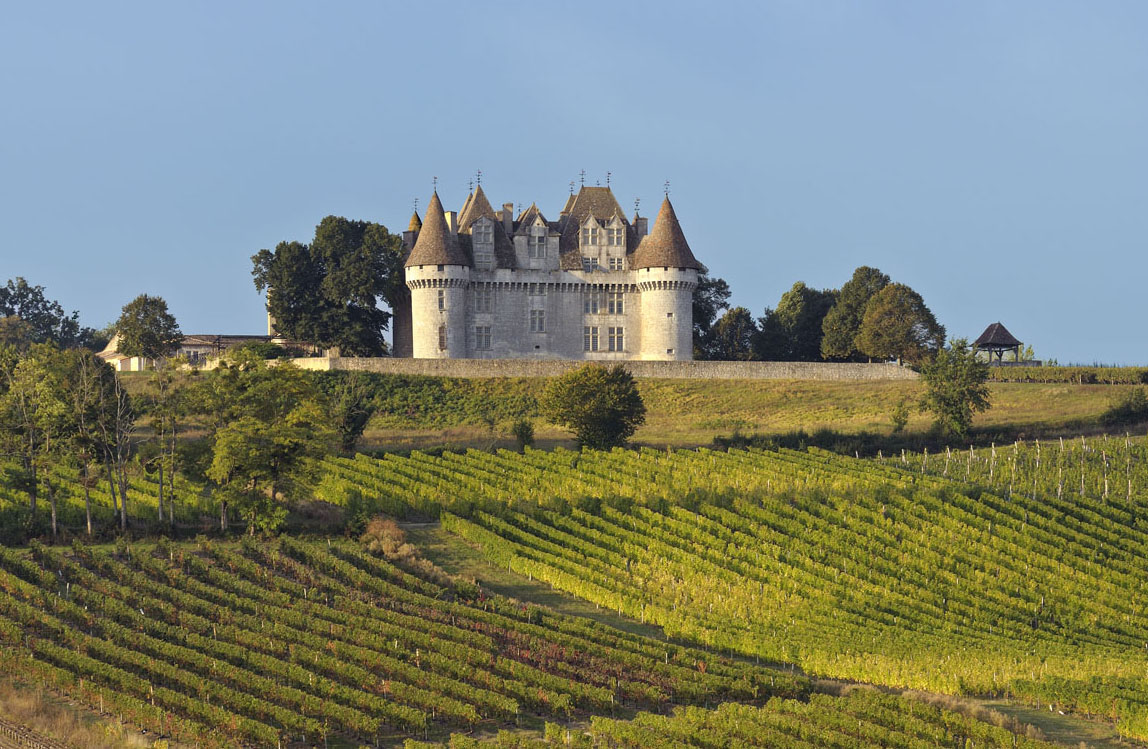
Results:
x,y
665,246
996,336
436,244
416,223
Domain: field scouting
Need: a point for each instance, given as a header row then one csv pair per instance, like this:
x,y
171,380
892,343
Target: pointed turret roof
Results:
x,y
476,207
996,336
416,223
436,244
665,246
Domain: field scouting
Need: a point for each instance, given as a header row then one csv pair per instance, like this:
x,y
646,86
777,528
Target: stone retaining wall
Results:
x,y
666,370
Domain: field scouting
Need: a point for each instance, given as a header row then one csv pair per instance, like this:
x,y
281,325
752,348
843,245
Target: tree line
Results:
x,y
869,318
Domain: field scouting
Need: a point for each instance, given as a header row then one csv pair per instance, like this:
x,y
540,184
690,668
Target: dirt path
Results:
x,y
457,557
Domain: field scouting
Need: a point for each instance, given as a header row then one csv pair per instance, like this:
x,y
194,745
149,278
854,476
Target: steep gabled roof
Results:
x,y
665,246
436,244
996,336
526,219
598,202
476,207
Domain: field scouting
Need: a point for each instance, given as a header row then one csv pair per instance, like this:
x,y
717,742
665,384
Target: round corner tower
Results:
x,y
438,275
666,275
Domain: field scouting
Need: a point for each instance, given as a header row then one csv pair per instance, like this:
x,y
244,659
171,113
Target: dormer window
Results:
x,y
589,236
537,243
614,236
483,232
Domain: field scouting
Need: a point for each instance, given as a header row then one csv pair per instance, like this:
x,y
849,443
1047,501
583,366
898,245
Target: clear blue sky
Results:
x,y
993,155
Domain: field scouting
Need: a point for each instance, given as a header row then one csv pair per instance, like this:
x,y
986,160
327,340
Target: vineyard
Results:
x,y
192,505
880,571
863,719
268,644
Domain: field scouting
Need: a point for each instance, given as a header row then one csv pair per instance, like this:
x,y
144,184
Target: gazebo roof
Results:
x,y
996,336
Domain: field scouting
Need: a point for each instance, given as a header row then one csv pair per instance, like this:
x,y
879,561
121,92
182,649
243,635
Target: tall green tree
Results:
x,y
38,420
147,329
734,337
955,388
327,292
44,320
843,321
91,388
792,330
350,405
898,325
269,425
711,296
600,405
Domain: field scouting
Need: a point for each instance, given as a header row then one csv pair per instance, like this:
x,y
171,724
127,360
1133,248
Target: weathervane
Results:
x,y
607,179
470,186
637,202
571,187
436,184
416,205
478,175
582,176
667,188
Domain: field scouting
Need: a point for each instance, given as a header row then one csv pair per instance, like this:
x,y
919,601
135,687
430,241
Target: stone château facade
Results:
x,y
484,284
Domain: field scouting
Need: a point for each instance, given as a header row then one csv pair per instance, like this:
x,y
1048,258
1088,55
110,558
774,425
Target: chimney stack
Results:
x,y
451,221
508,218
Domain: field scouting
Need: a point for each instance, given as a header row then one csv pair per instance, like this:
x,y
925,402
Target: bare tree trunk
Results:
x,y
159,502
223,516
111,483
52,502
33,483
87,495
123,477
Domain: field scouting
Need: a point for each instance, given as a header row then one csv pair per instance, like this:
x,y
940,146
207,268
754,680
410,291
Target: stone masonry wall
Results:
x,y
667,370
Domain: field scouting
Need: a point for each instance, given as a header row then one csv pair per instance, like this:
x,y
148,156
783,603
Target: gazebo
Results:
x,y
996,340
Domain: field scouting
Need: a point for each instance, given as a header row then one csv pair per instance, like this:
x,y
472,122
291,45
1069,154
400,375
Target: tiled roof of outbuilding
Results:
x,y
436,244
665,246
996,335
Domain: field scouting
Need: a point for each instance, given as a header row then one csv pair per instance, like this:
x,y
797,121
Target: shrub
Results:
x,y
1133,407
600,405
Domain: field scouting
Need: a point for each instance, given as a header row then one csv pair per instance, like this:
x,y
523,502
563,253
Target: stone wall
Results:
x,y
666,370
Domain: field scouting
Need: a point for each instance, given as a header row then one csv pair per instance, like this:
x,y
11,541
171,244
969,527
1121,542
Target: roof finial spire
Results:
x,y
607,179
436,184
667,188
582,176
470,186
637,202
478,176
416,205
571,187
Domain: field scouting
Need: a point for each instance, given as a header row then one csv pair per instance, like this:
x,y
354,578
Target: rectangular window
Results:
x,y
615,263
536,289
592,302
483,259
482,337
483,233
589,264
590,338
537,245
442,338
537,321
614,237
482,295
614,303
616,341
441,299
590,236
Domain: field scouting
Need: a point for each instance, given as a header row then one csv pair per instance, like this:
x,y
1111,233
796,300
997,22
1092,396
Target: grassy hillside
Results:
x,y
849,568
440,412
